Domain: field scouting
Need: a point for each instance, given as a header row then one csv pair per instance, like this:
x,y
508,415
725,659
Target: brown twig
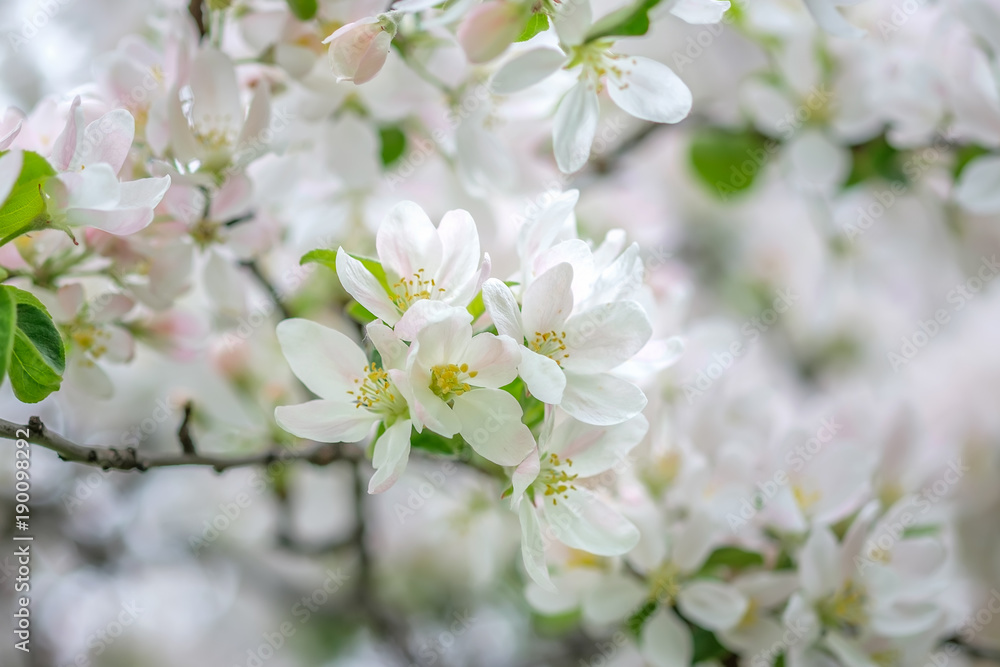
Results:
x,y
184,432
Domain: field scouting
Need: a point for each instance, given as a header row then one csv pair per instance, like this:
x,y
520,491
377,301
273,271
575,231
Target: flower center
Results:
x,y
415,288
377,393
449,380
804,498
555,479
665,583
550,344
90,339
846,606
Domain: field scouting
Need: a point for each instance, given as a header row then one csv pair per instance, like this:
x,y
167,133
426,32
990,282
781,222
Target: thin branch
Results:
x,y
184,432
129,458
268,286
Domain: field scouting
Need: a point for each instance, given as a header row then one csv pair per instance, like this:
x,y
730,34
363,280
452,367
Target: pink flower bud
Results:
x,y
358,50
490,28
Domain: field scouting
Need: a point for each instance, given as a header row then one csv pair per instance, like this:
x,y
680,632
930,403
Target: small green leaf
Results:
x,y
706,646
38,358
393,143
359,313
25,207
964,155
926,530
436,444
728,162
634,623
303,9
327,258
8,324
630,21
536,24
879,160
732,557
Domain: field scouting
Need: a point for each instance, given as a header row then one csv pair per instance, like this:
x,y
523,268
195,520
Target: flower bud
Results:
x,y
490,28
358,50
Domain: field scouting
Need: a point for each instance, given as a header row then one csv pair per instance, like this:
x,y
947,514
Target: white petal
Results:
x,y
10,169
459,252
650,90
596,449
502,307
614,599
572,20
533,547
978,188
392,451
65,147
665,641
713,605
818,563
606,336
107,140
700,12
525,473
543,377
365,287
216,106
527,69
250,143
491,424
423,313
325,421
426,407
601,399
580,520
494,359
444,341
407,241
574,127
548,301
392,350
830,20
327,361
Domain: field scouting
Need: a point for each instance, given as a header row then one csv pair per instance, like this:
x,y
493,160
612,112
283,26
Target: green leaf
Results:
x,y
634,623
732,557
393,143
303,9
964,155
359,313
926,530
38,358
728,162
328,258
536,24
879,160
436,444
25,207
630,21
706,646
8,324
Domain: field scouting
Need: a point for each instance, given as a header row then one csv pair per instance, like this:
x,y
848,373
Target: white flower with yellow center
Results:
x,y
355,394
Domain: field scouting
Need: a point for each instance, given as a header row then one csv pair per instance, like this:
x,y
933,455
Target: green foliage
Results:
x,y
393,141
875,160
964,155
32,350
728,162
25,208
634,623
706,646
303,9
630,21
731,557
536,24
359,313
436,444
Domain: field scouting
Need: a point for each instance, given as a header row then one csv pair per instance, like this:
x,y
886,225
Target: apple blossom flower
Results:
x,y
355,394
358,50
425,267
490,28
566,355
10,126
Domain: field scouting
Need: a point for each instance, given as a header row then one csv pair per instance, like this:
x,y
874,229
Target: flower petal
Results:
x,y
548,301
407,242
491,424
525,473
665,641
216,108
325,421
392,451
574,127
595,449
328,362
527,69
533,547
392,350
699,12
818,564
494,359
831,21
580,520
107,141
605,336
460,254
365,287
978,188
543,377
502,307
601,399
10,170
650,90
714,605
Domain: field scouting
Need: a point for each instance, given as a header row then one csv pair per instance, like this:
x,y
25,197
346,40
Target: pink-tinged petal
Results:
x,y
232,200
388,344
329,363
574,127
818,563
572,21
605,336
407,242
533,547
502,307
70,298
493,359
650,90
543,377
10,127
107,141
365,288
490,28
666,641
425,312
522,477
548,301
713,605
391,454
325,421
580,520
10,170
120,222
144,192
120,345
491,424
445,341
374,58
182,142
97,187
463,294
250,144
65,147
459,252
527,69
358,50
601,399
216,108
596,449
110,307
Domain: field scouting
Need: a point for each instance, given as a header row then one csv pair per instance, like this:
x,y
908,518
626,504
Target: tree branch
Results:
x,y
129,458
